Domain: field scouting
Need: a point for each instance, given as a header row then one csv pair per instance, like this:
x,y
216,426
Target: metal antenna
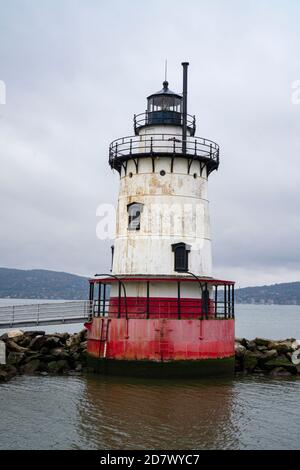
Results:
x,y
166,69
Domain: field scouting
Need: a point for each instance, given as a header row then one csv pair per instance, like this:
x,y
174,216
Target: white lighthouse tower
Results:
x,y
162,267
163,225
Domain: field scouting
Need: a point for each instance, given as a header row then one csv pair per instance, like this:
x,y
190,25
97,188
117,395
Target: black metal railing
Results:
x,y
163,118
196,148
171,309
218,304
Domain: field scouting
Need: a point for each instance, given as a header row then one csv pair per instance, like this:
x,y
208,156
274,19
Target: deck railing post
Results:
x,y
104,299
225,301
148,291
99,298
119,301
178,300
232,300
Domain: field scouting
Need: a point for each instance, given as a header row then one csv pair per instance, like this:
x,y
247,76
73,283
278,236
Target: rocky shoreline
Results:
x,y
35,352
266,356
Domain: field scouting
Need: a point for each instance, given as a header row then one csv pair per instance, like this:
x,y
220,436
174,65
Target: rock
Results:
x,y
58,366
15,335
11,371
282,362
295,357
83,335
32,366
239,340
251,360
251,346
33,334
15,358
62,365
33,356
14,347
44,373
56,352
25,341
60,353
281,346
262,348
4,337
267,356
37,342
280,371
296,345
3,376
52,366
76,356
83,346
262,341
43,366
52,342
78,368
73,341
239,350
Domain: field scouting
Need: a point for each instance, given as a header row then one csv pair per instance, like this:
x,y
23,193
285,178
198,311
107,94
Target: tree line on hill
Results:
x,y
44,284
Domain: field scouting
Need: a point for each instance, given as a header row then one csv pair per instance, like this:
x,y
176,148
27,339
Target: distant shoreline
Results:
x,y
41,284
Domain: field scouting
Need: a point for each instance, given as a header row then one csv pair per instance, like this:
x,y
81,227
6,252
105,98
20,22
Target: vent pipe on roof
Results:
x,y
184,105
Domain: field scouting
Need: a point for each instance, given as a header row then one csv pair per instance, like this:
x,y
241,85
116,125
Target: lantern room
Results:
x,y
165,107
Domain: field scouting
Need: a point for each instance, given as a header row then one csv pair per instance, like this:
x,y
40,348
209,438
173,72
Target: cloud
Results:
x,y
75,74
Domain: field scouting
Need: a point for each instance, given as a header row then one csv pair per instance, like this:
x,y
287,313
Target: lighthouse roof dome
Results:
x,y
165,91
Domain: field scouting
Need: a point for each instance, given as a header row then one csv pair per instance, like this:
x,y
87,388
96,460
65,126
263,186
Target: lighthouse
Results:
x,y
160,311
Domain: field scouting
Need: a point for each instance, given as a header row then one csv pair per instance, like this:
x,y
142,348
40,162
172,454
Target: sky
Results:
x,y
76,71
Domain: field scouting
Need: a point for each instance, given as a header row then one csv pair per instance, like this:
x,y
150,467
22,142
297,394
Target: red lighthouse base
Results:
x,y
161,347
183,336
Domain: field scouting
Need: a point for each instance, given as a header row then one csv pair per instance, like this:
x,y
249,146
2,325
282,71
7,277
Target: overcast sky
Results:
x,y
77,70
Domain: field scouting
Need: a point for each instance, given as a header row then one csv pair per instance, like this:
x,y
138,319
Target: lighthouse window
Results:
x,y
134,215
181,257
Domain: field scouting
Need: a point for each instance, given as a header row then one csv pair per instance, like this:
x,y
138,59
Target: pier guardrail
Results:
x,y
44,314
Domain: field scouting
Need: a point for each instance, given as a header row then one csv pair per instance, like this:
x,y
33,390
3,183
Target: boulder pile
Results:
x,y
34,352
267,356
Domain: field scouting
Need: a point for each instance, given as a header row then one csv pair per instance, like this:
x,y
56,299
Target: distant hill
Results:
x,y
281,294
42,284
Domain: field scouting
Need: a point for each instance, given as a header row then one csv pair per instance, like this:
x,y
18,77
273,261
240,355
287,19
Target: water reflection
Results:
x,y
121,413
127,414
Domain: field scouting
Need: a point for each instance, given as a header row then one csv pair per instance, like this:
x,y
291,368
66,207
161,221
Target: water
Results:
x,y
113,413
94,412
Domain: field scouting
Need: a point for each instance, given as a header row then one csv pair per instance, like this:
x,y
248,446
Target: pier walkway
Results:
x,y
53,313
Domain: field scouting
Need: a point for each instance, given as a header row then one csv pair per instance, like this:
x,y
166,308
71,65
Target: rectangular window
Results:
x,y
134,215
181,257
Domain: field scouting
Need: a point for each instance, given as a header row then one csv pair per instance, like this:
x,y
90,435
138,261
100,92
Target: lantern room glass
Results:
x,y
164,103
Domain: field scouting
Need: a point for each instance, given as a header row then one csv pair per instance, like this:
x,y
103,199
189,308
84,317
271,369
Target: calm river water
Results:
x,y
115,413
